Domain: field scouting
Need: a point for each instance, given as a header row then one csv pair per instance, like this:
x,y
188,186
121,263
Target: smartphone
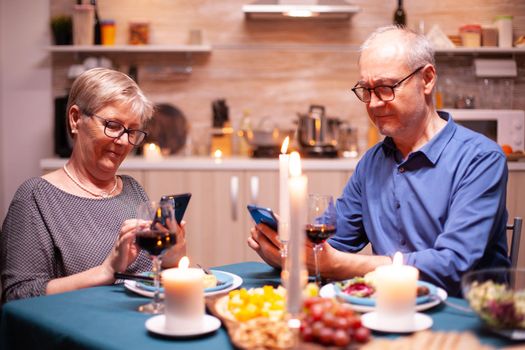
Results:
x,y
180,203
263,215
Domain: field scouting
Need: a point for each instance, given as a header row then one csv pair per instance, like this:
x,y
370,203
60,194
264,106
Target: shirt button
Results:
x,y
398,205
401,170
403,242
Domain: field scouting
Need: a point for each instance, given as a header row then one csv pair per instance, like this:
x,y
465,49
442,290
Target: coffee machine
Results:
x,y
318,134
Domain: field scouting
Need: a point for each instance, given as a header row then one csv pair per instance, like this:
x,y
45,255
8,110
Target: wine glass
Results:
x,y
156,232
321,224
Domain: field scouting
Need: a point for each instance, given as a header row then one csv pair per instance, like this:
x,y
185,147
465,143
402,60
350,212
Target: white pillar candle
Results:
x,y
151,151
396,290
284,194
184,296
296,251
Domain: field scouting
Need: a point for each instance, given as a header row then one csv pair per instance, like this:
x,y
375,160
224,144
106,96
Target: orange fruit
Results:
x,y
506,149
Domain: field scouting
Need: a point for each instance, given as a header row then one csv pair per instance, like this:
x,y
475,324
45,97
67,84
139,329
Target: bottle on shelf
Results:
x,y
97,25
400,18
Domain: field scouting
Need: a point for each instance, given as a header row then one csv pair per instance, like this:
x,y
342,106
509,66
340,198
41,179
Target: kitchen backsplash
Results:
x,y
274,68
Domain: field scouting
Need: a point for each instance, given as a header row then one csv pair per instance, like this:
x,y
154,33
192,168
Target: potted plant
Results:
x,y
62,28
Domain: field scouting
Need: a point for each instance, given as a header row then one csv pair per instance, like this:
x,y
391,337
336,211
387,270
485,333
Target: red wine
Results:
x,y
317,234
155,242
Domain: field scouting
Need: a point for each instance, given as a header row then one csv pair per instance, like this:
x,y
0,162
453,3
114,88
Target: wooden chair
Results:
x,y
515,227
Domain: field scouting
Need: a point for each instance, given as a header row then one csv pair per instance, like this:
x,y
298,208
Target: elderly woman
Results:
x,y
71,228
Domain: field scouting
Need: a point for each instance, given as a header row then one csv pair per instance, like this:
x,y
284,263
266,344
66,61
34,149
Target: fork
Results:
x,y
208,272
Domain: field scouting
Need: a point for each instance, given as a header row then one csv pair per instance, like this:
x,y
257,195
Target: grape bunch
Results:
x,y
329,322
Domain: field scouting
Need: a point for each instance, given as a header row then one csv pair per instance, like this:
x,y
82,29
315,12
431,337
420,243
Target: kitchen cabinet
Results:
x,y
516,207
218,223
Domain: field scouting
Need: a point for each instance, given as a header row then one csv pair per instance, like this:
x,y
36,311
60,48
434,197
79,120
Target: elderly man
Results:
x,y
432,189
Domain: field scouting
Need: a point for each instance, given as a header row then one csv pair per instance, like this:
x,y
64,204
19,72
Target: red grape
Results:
x,y
307,334
341,338
342,323
317,326
317,312
362,334
329,320
327,336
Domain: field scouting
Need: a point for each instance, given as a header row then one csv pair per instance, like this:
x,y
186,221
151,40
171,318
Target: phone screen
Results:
x,y
263,215
180,203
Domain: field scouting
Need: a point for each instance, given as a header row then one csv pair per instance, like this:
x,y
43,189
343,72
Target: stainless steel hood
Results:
x,y
274,9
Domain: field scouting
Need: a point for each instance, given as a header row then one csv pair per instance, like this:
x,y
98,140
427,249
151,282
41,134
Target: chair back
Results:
x,y
515,227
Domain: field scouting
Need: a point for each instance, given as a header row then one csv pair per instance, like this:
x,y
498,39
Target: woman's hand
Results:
x,y
172,256
265,242
125,251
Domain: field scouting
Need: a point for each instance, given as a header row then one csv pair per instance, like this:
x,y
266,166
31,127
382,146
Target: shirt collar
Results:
x,y
433,148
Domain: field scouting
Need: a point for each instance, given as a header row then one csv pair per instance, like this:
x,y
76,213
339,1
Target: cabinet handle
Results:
x,y
254,189
234,195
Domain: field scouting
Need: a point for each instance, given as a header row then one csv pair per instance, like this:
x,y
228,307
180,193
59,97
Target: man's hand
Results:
x,y
265,242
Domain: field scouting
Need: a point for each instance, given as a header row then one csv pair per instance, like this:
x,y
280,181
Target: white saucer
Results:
x,y
421,322
237,282
155,325
328,291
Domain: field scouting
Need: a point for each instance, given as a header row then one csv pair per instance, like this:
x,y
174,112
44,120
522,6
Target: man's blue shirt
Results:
x,y
443,206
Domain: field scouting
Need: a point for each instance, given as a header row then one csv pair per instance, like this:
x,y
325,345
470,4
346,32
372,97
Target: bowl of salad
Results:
x,y
497,295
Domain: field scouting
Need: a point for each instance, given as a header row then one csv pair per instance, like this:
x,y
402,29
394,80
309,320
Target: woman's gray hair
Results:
x,y
419,49
99,87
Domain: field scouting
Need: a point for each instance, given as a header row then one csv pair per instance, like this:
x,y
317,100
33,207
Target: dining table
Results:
x,y
106,317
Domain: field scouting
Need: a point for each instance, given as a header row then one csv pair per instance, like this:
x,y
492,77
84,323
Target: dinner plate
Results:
x,y
157,325
328,291
236,283
420,322
221,276
372,301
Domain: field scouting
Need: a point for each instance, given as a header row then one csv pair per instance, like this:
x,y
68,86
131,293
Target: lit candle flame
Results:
x,y
184,262
284,147
398,259
295,164
217,154
152,147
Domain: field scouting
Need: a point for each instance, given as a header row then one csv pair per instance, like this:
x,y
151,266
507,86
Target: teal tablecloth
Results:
x,y
105,318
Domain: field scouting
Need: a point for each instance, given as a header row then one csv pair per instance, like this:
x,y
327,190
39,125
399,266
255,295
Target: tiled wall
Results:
x,y
275,68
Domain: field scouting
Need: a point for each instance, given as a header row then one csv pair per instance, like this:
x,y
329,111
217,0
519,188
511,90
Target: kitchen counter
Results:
x,y
233,163
209,163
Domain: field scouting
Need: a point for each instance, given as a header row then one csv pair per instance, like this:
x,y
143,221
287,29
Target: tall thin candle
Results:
x,y
296,254
284,195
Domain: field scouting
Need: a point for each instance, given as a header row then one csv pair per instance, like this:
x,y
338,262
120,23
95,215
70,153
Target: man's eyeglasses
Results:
x,y
383,92
115,130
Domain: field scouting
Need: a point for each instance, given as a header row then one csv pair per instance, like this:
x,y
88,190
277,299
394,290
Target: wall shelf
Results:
x,y
481,50
131,48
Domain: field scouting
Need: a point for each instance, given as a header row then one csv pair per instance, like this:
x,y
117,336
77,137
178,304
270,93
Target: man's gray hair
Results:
x,y
419,49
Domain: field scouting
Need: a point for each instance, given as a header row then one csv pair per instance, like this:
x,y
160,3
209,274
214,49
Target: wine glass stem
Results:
x,y
317,249
156,281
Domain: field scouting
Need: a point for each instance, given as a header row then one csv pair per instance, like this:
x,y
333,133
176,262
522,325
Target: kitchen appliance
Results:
x,y
266,143
504,126
317,133
275,9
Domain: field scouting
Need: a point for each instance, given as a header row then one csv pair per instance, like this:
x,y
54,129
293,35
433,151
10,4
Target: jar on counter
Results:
x,y
470,35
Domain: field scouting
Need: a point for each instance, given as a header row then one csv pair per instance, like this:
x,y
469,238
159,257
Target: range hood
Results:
x,y
274,9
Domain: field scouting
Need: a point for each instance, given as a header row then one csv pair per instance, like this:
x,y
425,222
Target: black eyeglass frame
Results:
x,y
378,95
123,130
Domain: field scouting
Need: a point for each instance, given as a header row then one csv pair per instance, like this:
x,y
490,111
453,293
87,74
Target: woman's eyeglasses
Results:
x,y
115,130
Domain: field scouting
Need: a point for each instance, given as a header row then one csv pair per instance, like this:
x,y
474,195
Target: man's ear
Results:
x,y
429,78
